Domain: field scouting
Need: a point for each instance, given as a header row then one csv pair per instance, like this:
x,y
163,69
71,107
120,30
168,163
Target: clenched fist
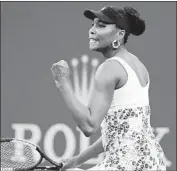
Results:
x,y
60,72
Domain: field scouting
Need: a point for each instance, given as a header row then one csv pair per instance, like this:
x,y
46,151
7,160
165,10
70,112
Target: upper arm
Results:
x,y
105,80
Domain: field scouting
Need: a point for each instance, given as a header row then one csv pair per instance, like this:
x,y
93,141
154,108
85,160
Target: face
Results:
x,y
101,35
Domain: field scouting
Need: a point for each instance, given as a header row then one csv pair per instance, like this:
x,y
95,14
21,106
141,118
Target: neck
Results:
x,y
108,52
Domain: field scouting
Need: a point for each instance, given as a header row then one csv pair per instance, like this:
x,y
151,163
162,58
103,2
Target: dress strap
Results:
x,y
127,68
131,73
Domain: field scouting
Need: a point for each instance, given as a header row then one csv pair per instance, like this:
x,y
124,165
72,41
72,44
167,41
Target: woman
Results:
x,y
119,100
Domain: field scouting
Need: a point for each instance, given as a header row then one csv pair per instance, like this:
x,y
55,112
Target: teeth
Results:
x,y
93,40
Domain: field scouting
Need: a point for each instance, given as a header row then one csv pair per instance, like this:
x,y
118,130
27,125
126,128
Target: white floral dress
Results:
x,y
127,136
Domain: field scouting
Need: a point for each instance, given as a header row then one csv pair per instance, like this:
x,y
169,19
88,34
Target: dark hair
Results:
x,y
135,25
125,18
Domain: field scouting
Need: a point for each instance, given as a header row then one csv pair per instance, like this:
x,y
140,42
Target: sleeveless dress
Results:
x,y
127,136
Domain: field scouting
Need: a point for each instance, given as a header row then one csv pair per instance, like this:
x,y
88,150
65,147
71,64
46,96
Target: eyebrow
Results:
x,y
100,21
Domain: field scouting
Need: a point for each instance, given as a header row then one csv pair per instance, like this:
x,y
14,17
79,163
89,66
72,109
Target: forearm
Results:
x,y
80,112
92,151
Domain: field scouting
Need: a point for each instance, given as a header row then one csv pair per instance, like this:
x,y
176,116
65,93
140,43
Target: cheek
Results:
x,y
106,37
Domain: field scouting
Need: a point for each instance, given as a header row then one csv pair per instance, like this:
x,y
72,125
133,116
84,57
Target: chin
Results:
x,y
98,48
93,48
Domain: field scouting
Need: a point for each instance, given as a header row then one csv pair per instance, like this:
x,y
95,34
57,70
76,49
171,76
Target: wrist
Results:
x,y
62,86
77,160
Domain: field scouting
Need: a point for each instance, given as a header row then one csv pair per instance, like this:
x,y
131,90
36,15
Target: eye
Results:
x,y
101,25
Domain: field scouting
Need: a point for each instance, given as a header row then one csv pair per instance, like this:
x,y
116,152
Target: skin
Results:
x,y
104,34
109,75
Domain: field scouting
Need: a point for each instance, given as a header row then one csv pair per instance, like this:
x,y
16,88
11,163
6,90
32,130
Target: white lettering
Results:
x,y
21,128
161,131
20,134
49,141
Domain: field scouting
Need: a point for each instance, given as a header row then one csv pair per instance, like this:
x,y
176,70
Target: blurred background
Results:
x,y
34,35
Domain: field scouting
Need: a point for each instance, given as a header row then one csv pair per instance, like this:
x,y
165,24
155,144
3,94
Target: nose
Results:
x,y
92,30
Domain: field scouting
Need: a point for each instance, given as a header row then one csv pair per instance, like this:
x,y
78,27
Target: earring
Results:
x,y
115,44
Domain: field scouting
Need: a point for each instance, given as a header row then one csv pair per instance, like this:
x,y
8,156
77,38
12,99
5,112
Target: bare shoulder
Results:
x,y
110,69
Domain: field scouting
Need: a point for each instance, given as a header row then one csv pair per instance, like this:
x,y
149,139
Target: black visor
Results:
x,y
101,15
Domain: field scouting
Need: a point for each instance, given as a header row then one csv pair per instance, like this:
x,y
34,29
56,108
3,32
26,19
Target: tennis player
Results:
x,y
119,101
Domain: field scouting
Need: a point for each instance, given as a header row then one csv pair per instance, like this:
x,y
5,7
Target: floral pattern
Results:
x,y
129,142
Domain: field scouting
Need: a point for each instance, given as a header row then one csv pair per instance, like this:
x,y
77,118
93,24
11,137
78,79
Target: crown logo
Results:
x,y
82,87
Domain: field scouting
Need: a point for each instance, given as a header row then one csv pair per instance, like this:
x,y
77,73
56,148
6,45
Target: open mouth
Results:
x,y
93,40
